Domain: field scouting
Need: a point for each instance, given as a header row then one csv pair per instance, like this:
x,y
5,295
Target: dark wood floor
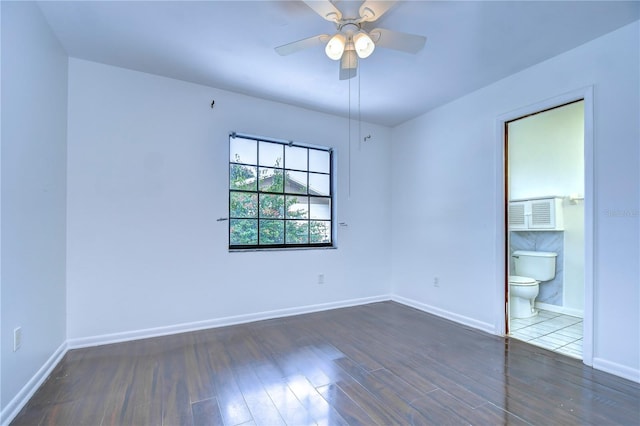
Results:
x,y
382,363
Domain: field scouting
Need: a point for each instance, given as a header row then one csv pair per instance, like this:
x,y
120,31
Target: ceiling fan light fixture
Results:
x,y
335,47
363,44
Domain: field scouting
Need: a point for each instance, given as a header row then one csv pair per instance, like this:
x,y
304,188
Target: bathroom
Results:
x,y
545,165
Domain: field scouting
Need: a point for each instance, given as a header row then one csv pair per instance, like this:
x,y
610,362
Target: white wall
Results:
x,y
445,166
34,117
546,153
147,179
546,157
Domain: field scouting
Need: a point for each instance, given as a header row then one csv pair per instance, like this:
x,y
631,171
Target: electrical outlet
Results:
x,y
17,338
320,278
436,282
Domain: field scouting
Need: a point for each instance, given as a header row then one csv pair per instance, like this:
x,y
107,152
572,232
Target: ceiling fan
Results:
x,y
352,39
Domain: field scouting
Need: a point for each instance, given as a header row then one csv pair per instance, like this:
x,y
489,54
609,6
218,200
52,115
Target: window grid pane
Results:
x,y
319,184
282,198
243,231
271,180
243,150
319,161
297,231
271,206
296,158
296,182
242,177
271,232
297,207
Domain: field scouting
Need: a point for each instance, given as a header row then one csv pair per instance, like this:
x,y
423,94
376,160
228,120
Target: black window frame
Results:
x,y
258,192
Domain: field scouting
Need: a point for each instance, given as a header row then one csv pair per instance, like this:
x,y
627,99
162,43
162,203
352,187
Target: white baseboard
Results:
x,y
106,339
616,369
20,400
560,309
486,327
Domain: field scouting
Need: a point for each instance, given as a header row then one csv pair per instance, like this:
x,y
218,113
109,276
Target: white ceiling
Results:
x,y
229,45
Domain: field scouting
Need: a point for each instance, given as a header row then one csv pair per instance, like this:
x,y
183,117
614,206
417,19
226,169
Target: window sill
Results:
x,y
242,250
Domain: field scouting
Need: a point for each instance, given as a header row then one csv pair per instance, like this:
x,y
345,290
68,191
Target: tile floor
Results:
x,y
550,330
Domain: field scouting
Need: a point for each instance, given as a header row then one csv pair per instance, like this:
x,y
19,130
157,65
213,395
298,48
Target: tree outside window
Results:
x,y
279,195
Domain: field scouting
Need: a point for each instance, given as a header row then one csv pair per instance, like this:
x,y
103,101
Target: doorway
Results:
x,y
548,209
545,189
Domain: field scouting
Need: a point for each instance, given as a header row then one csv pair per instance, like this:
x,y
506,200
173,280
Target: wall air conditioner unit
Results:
x,y
539,214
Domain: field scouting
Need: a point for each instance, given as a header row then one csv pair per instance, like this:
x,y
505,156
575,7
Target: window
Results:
x,y
280,194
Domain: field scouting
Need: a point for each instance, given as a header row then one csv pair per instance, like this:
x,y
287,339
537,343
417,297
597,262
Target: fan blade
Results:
x,y
372,10
296,46
410,43
325,8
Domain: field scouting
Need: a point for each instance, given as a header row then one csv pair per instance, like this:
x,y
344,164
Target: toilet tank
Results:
x,y
539,265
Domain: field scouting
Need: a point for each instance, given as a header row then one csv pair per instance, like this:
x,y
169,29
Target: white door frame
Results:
x,y
585,94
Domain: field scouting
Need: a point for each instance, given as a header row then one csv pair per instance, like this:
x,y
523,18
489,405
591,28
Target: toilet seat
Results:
x,y
522,294
523,281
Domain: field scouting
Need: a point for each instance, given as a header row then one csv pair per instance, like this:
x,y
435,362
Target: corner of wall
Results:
x,y
18,402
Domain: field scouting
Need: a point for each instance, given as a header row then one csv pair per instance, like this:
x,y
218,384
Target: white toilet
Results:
x,y
531,268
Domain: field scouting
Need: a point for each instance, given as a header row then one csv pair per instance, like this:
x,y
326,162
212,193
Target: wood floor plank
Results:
x,y
77,412
318,368
271,401
438,407
261,406
435,413
494,416
414,376
458,385
233,407
387,380
386,389
356,349
176,403
349,410
381,414
141,400
291,409
382,363
207,413
31,414
78,371
200,381
318,408
561,404
115,379
514,396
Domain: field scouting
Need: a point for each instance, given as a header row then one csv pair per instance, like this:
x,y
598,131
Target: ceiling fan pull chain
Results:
x,y
359,115
349,115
